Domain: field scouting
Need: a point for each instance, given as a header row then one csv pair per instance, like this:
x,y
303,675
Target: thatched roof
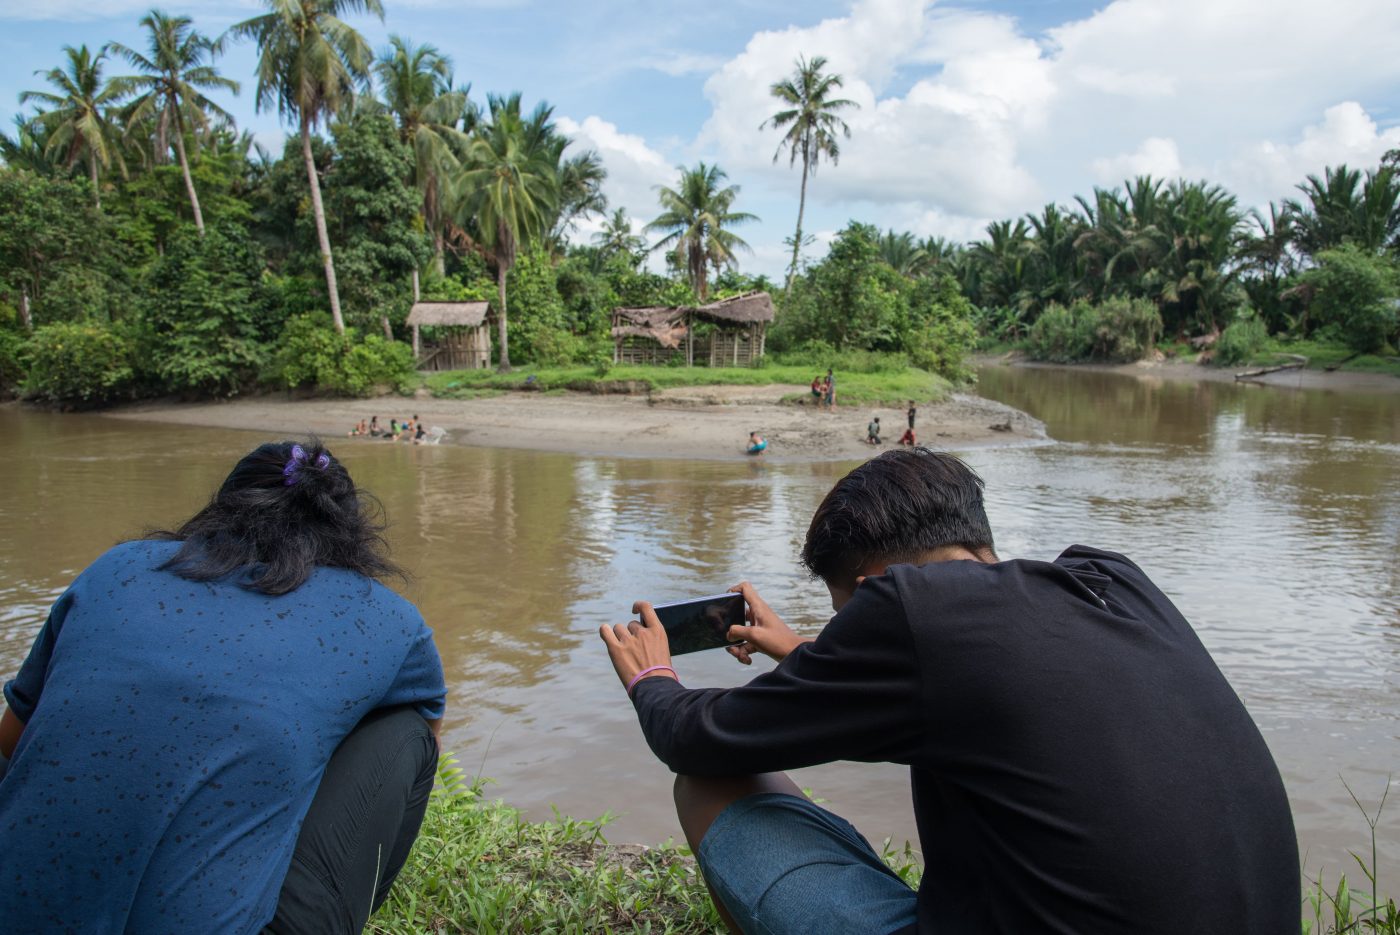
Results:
x,y
750,307
459,314
664,324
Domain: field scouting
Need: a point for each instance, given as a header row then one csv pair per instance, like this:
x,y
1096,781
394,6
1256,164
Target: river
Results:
x,y
1271,516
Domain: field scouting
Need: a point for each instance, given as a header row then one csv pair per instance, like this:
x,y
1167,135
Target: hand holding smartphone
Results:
x,y
702,622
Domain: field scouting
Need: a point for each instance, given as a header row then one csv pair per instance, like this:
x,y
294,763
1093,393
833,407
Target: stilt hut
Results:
x,y
742,325
652,335
459,339
659,334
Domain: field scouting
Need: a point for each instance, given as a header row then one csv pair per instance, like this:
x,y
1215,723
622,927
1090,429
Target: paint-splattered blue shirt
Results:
x,y
176,732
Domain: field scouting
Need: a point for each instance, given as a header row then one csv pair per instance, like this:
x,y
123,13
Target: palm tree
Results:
x,y
309,62
695,216
177,71
77,125
902,253
417,84
580,191
616,236
509,189
813,126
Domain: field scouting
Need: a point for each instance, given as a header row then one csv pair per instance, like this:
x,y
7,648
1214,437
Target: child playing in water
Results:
x,y
757,444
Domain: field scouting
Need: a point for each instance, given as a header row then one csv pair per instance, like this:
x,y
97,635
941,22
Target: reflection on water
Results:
x,y
1271,516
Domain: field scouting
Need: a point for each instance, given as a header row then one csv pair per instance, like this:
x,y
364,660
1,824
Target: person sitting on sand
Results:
x,y
872,432
908,437
374,430
1078,761
757,444
361,428
230,727
394,430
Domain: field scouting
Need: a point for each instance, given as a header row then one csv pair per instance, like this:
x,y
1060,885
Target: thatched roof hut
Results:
x,y
741,320
465,341
664,324
450,314
750,308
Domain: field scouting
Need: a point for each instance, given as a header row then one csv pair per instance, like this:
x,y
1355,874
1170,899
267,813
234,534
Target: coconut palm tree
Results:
x,y
435,120
508,190
176,73
616,236
810,116
695,217
76,125
309,63
581,180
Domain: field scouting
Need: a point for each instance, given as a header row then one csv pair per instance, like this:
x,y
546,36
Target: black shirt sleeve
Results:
x,y
853,694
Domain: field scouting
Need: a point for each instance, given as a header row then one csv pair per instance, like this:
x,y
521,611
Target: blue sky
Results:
x,y
970,111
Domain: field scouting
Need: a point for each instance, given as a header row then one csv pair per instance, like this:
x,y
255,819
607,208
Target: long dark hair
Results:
x,y
284,509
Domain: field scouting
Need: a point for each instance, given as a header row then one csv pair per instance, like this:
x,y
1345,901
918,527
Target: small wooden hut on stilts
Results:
x,y
460,338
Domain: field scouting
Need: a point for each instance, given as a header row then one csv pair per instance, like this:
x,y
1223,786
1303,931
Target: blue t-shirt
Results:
x,y
176,732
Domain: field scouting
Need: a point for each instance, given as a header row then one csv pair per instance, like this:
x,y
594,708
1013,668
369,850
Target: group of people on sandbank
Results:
x,y
872,431
411,428
232,726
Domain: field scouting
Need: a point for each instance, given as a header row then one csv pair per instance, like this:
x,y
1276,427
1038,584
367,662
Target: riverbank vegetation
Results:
x,y
148,248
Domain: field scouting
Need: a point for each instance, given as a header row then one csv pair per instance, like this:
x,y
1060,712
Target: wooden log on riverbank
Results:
x,y
1298,362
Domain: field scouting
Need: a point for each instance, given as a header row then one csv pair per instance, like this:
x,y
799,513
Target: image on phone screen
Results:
x,y
701,623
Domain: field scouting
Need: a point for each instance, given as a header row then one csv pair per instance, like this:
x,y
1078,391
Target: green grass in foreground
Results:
x,y
888,387
480,867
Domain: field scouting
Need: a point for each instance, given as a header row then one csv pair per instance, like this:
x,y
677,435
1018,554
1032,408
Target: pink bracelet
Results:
x,y
647,671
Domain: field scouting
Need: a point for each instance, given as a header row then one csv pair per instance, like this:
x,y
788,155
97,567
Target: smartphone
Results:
x,y
701,623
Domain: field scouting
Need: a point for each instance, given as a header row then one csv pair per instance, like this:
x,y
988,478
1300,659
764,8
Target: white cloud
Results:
x,y
1157,157
634,168
1346,134
966,117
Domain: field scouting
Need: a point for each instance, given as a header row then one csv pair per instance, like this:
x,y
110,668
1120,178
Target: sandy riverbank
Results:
x,y
1182,369
709,422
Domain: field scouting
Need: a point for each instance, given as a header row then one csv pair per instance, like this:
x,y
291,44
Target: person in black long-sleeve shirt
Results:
x,y
1078,762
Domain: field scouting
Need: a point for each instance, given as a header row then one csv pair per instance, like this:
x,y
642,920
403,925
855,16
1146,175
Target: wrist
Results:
x,y
651,672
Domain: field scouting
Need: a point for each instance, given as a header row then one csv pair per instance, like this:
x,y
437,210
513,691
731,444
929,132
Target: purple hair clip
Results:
x,y
298,460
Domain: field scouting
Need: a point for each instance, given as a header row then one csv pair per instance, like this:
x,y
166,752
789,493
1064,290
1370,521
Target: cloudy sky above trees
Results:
x,y
970,111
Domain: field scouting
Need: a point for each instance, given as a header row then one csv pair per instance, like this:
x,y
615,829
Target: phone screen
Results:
x,y
702,623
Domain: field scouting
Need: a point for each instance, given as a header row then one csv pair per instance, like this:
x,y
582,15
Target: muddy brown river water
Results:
x,y
1271,516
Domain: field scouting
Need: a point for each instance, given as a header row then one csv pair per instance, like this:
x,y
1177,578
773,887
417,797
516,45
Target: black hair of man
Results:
x,y
897,507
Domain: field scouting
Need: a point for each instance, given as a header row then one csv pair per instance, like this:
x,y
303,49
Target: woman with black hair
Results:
x,y
225,728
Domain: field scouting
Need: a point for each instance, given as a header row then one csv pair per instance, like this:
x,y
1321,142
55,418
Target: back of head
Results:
x,y
897,507
284,509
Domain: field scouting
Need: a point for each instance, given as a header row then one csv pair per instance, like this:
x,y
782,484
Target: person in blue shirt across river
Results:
x,y
1078,762
226,728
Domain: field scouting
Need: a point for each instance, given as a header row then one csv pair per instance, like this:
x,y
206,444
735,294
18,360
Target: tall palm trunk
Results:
x,y
501,269
189,181
321,233
797,238
92,174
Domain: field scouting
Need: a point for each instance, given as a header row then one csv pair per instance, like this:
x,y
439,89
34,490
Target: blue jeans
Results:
x,y
782,865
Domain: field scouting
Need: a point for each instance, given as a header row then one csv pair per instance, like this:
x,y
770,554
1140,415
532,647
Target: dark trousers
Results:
x,y
360,827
